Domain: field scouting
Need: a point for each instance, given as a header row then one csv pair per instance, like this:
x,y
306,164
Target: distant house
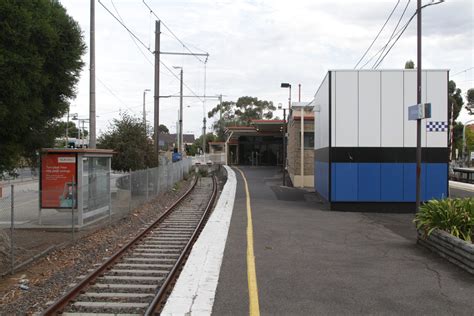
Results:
x,y
169,141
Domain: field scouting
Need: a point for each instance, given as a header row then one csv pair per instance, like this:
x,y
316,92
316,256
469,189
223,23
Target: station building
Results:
x,y
260,144
365,146
298,133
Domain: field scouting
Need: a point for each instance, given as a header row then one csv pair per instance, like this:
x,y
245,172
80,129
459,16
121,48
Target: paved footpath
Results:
x,y
310,261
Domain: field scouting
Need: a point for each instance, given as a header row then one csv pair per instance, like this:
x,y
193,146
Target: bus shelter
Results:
x,y
77,181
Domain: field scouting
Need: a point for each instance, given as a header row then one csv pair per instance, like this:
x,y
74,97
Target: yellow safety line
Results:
x,y
254,309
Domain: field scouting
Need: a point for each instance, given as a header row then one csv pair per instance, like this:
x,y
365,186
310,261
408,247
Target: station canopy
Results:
x,y
256,128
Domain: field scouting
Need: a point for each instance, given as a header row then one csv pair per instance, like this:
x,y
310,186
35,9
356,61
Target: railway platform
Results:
x,y
308,260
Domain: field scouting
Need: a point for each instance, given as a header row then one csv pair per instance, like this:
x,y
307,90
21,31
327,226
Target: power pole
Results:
x,y
418,101
180,142
157,88
92,125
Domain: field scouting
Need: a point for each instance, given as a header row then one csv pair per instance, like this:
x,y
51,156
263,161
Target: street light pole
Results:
x,y
180,113
285,85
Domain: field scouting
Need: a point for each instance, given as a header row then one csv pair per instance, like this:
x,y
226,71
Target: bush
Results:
x,y
455,216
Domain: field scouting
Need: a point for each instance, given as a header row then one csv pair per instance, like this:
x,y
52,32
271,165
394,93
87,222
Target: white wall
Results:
x,y
346,109
321,118
370,108
392,109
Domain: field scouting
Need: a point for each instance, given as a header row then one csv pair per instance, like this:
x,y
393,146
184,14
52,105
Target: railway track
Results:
x,y
136,279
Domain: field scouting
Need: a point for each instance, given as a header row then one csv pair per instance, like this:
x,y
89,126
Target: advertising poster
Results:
x,y
58,180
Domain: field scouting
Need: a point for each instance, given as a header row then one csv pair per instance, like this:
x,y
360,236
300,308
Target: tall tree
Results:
x,y
455,98
163,129
241,112
410,64
127,137
470,100
40,62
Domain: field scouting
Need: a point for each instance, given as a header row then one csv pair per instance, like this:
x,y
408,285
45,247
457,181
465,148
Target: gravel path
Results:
x,y
51,276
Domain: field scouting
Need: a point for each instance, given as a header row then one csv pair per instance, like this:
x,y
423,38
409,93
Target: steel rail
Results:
x,y
62,302
165,287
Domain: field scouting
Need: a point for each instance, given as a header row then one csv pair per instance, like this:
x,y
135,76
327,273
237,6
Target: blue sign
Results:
x,y
419,111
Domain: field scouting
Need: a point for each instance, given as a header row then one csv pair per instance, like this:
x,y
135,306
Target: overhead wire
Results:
x,y
392,36
378,34
133,39
148,49
395,32
403,30
172,33
462,71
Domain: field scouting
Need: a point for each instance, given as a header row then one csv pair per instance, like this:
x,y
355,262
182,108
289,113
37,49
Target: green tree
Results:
x,y
196,147
163,129
410,64
72,130
470,100
127,137
241,112
40,62
455,103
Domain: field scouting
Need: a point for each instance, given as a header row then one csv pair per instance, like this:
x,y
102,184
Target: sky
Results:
x,y
253,46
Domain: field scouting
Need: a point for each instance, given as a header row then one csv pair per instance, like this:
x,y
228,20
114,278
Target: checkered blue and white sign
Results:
x,y
437,126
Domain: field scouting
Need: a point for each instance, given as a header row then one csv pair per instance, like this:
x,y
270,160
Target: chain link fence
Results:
x,y
32,231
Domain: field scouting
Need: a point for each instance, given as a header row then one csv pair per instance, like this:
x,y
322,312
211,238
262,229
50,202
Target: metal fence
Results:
x,y
26,231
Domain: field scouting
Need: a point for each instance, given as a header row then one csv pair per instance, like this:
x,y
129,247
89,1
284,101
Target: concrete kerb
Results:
x,y
195,289
453,249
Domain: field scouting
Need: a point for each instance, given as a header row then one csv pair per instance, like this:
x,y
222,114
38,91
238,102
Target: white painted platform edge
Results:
x,y
195,289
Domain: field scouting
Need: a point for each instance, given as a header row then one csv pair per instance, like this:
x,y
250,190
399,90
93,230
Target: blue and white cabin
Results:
x,y
365,146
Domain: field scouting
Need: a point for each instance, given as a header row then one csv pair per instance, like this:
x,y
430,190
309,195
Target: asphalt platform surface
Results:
x,y
312,261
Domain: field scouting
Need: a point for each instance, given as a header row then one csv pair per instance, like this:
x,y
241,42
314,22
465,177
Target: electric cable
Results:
x,y
392,36
460,72
141,42
378,34
403,30
173,34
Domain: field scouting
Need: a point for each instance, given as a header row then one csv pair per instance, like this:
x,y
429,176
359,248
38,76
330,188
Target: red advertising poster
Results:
x,y
58,172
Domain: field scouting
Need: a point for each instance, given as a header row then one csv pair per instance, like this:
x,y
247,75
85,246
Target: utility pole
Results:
x,y
92,137
418,101
157,88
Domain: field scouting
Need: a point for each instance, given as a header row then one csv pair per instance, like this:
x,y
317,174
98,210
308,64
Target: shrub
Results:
x,y
456,216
